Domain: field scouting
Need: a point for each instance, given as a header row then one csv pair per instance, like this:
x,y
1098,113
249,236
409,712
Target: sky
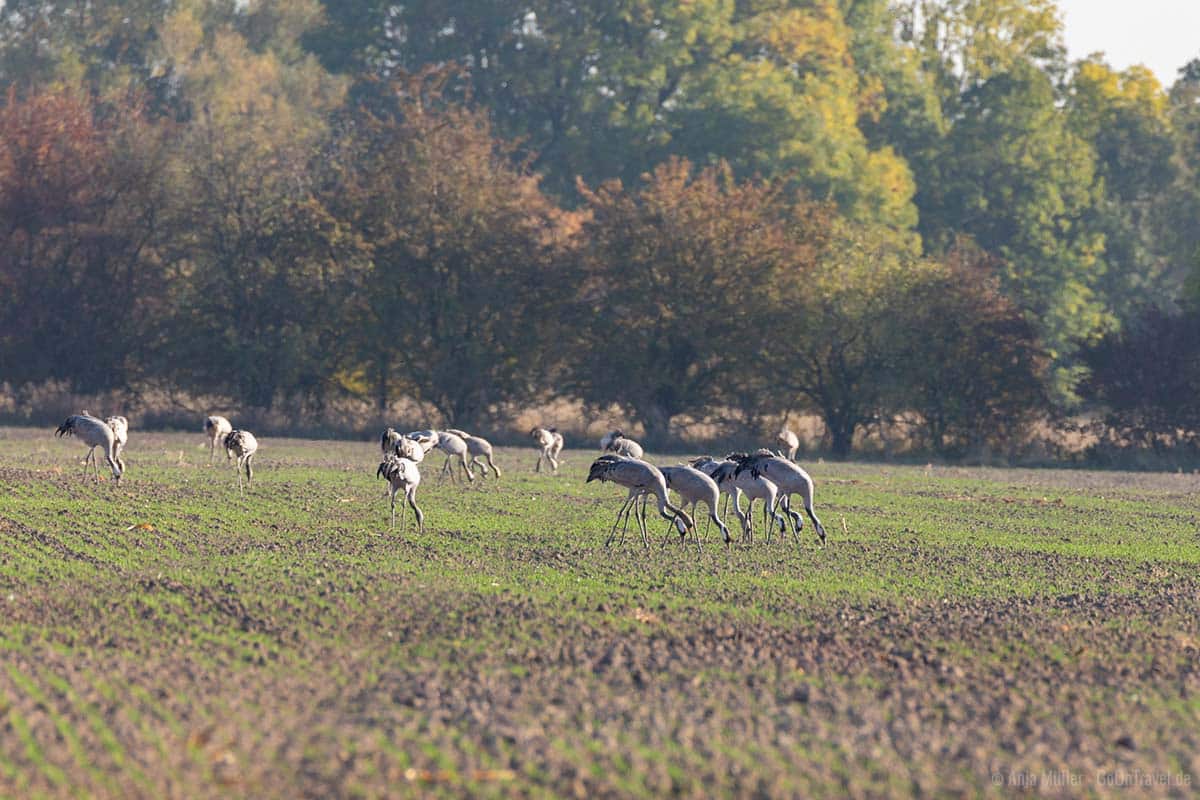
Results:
x,y
1161,34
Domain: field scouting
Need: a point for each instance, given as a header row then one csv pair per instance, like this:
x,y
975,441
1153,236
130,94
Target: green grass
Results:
x,y
196,640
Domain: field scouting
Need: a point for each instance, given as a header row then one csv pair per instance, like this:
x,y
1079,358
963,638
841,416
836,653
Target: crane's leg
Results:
x,y
249,469
808,508
625,527
785,502
613,532
411,494
631,510
538,467
466,467
641,519
403,510
736,500
776,517
492,464
392,502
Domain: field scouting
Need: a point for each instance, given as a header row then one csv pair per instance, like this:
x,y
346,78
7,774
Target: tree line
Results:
x,y
697,212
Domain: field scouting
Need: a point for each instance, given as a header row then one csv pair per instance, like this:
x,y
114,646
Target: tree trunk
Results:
x,y
381,382
841,433
657,422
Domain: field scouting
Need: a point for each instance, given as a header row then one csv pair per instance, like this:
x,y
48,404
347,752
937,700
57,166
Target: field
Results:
x,y
966,631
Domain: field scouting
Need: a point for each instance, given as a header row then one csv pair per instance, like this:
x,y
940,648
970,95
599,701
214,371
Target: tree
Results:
x,y
1007,170
1124,118
464,298
1146,378
969,361
678,274
1181,209
78,272
262,284
604,91
836,328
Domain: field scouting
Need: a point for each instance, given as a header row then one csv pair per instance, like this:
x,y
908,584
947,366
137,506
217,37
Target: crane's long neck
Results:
x,y
668,511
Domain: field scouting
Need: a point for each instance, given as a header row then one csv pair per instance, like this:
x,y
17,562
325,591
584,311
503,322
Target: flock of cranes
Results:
x,y
766,475
772,477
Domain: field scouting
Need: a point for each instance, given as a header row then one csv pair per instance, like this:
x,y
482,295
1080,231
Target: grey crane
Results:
x,y
640,478
755,487
120,429
550,444
695,487
396,444
402,474
617,442
94,433
790,441
478,448
790,479
454,447
243,445
388,440
216,427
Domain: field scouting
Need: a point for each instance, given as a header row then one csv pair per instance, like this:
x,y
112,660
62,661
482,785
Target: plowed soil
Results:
x,y
964,632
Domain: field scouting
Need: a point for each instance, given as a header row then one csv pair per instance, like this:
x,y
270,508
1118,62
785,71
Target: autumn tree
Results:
x,y
679,271
836,329
464,296
261,272
969,362
1125,117
603,91
78,272
1144,381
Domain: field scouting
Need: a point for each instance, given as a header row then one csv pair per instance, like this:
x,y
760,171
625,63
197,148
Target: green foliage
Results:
x,y
455,201
1182,208
603,91
834,329
1125,118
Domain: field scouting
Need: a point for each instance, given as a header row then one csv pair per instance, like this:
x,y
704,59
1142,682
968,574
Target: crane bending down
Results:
x,y
216,428
94,433
395,444
402,473
790,479
754,487
454,447
388,440
790,442
640,478
478,448
550,444
617,442
120,429
695,487
243,445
